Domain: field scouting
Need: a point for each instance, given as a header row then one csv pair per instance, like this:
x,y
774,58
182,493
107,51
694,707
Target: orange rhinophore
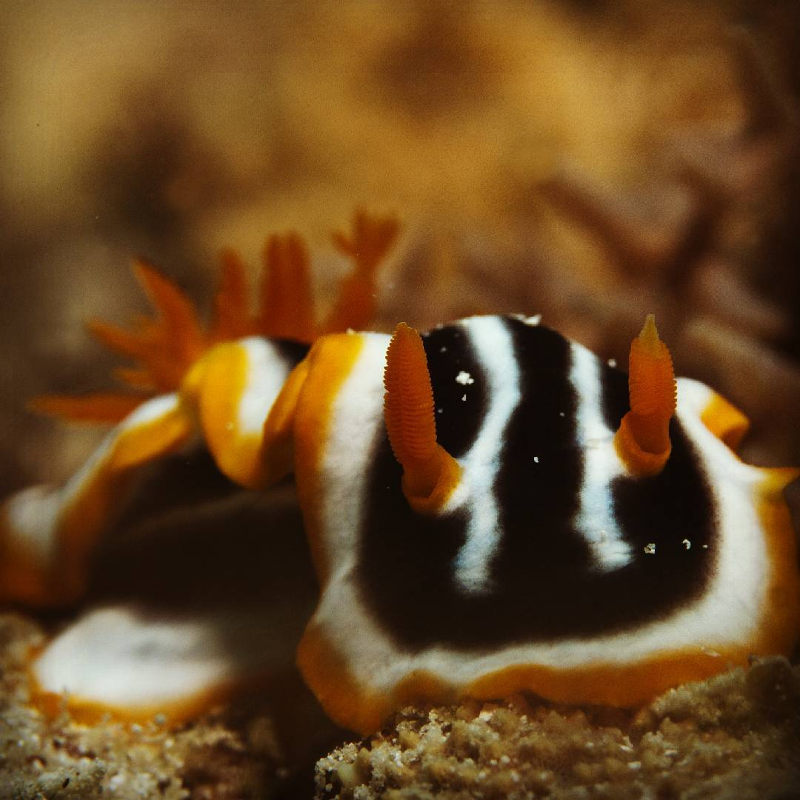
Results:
x,y
643,436
430,473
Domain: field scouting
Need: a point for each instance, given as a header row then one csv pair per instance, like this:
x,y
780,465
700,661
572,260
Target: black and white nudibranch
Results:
x,y
490,507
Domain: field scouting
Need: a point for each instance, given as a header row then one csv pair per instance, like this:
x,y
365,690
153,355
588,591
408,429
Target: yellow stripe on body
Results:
x,y
779,629
215,386
47,534
330,362
234,388
277,449
725,421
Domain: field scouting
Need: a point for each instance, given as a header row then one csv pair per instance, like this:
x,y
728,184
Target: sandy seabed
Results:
x,y
735,736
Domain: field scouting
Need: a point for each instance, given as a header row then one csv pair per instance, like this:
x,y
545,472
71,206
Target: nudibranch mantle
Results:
x,y
513,541
694,580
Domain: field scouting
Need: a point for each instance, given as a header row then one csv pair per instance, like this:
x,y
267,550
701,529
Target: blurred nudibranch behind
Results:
x,y
490,507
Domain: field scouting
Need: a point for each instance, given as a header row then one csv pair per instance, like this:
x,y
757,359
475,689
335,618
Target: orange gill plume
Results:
x,y
367,245
430,473
231,318
286,301
165,347
643,436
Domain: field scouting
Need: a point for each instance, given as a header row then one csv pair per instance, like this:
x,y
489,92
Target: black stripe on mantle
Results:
x,y
544,586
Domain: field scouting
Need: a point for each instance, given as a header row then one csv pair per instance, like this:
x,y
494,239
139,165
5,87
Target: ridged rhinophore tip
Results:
x,y
649,333
643,436
430,473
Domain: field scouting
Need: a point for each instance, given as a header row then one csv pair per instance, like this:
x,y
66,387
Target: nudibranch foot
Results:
x,y
190,604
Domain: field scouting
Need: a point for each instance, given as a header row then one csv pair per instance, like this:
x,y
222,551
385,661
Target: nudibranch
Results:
x,y
490,507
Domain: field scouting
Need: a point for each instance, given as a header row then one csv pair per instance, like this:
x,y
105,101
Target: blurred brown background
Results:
x,y
589,160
